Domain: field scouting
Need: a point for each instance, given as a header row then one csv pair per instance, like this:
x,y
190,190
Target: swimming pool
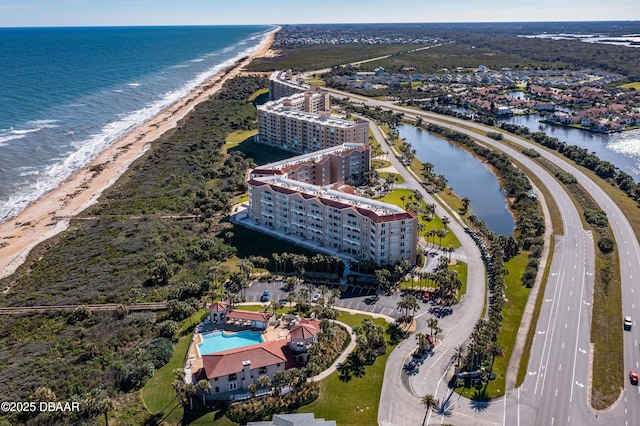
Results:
x,y
218,341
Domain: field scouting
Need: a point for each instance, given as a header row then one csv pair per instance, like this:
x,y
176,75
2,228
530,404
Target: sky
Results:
x,y
54,13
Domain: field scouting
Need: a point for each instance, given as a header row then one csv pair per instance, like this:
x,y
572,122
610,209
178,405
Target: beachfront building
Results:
x,y
343,163
358,227
282,84
302,123
232,371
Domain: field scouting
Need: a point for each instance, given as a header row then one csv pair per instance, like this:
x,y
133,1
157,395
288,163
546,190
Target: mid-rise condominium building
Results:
x,y
302,123
362,228
282,84
343,163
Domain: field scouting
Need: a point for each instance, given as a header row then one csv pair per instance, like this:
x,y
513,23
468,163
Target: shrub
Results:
x,y
159,351
256,410
606,244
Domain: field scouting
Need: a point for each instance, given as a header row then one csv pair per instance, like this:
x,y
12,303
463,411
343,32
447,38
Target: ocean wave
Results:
x,y
87,149
197,60
8,138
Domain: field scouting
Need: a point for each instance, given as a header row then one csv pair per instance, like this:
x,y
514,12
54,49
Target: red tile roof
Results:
x,y
261,355
303,331
218,307
249,315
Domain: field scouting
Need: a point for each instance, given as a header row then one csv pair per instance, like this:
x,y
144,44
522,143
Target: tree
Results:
x,y
495,350
382,276
445,221
458,354
430,403
264,381
421,338
432,323
465,204
253,389
204,386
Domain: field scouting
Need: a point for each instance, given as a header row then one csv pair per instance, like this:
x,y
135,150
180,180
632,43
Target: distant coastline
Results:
x,y
50,215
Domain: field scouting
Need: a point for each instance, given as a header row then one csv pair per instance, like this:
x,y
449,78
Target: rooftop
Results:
x,y
260,355
381,211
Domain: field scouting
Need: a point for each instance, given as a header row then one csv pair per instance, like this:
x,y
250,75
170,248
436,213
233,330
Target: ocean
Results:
x,y
66,94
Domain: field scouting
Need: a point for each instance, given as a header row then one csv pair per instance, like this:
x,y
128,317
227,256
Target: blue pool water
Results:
x,y
217,341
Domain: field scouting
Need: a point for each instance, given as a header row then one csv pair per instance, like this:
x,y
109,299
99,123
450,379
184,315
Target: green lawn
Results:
x,y
258,93
261,154
158,395
635,85
516,295
235,138
380,164
394,197
385,175
461,268
339,400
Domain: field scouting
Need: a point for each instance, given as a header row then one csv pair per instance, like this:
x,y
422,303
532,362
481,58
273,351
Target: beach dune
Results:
x,y
51,214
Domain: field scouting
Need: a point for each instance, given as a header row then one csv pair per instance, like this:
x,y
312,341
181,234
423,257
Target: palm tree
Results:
x,y
465,204
274,305
441,234
276,259
430,403
445,221
432,323
458,354
190,390
421,338
495,350
253,389
264,381
204,386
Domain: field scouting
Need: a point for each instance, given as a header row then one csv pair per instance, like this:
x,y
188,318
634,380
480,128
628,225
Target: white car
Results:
x,y
627,322
315,298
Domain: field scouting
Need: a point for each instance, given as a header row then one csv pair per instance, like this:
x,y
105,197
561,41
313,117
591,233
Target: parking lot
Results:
x,y
351,297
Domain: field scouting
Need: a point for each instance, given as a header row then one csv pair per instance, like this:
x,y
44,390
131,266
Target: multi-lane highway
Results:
x,y
556,389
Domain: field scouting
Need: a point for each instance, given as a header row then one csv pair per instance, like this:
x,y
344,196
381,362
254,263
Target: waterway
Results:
x,y
621,149
466,175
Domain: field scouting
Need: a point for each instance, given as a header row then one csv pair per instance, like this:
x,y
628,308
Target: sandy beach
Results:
x,y
51,214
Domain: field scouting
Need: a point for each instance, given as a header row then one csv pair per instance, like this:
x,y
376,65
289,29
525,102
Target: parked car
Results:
x,y
633,376
316,298
265,296
283,302
425,297
627,323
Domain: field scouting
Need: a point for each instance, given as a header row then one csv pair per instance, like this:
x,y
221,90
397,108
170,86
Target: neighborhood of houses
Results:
x,y
581,98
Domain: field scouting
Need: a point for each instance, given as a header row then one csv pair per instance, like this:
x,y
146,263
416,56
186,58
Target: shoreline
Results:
x,y
51,214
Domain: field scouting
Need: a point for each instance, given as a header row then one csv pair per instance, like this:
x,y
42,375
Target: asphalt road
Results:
x,y
556,390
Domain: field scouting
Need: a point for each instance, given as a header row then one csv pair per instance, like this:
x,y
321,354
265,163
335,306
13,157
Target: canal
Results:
x,y
467,176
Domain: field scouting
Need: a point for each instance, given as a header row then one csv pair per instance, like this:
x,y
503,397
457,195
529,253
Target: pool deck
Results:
x,y
194,359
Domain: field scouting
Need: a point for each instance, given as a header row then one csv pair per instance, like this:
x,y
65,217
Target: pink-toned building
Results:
x,y
346,162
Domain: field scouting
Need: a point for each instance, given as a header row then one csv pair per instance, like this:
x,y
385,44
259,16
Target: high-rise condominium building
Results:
x,y
302,123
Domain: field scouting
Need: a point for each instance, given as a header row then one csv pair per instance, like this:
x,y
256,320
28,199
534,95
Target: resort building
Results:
x,y
281,85
236,369
302,123
349,224
301,337
342,163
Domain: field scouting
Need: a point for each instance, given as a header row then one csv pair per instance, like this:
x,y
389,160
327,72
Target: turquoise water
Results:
x,y
219,341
